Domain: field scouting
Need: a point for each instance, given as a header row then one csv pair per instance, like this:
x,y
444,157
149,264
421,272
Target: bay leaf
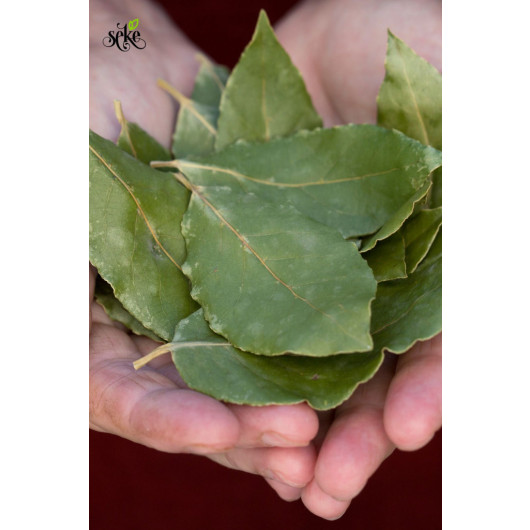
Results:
x,y
352,178
396,220
419,234
410,97
271,280
211,365
104,296
196,126
137,142
410,100
140,144
387,259
209,82
405,312
135,240
435,252
409,309
265,95
435,199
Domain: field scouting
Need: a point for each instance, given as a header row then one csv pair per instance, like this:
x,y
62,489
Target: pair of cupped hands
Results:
x,y
324,458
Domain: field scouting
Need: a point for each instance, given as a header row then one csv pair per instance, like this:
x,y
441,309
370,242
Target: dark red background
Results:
x,y
132,487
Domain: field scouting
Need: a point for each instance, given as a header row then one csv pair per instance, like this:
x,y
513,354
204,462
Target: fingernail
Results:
x,y
274,439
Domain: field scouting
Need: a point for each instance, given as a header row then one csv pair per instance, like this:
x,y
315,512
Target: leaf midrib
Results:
x,y
414,101
181,165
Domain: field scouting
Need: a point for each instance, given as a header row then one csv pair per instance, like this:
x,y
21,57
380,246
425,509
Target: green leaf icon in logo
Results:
x,y
133,24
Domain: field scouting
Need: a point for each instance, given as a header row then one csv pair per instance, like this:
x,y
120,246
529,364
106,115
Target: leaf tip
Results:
x,y
172,91
263,25
263,18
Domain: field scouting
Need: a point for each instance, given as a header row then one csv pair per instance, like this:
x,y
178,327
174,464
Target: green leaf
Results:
x,y
352,178
408,310
209,364
138,143
135,241
195,130
435,252
209,83
387,259
265,96
104,295
419,234
410,98
396,220
196,126
271,280
435,200
404,312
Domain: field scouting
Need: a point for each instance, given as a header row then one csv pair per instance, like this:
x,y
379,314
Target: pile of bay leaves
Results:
x,y
275,259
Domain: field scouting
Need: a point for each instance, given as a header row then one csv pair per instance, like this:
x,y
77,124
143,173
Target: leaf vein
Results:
x,y
181,165
415,102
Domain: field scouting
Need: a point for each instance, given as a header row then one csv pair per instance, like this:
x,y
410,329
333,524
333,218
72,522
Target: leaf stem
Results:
x,y
171,90
124,126
164,163
157,352
178,175
173,346
184,181
119,112
188,104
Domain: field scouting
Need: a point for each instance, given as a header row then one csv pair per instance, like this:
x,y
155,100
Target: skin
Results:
x,y
339,47
326,458
153,406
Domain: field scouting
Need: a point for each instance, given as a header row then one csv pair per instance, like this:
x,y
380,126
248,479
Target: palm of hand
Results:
x,y
154,407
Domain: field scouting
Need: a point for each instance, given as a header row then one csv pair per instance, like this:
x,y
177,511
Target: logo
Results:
x,y
124,36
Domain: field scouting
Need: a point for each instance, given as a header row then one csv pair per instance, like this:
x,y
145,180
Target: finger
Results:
x,y
321,504
276,426
292,467
325,420
147,408
355,446
269,426
413,410
282,426
286,493
92,281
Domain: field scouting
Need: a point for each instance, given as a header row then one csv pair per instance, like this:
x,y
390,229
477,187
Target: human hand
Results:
x,y
339,47
153,406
